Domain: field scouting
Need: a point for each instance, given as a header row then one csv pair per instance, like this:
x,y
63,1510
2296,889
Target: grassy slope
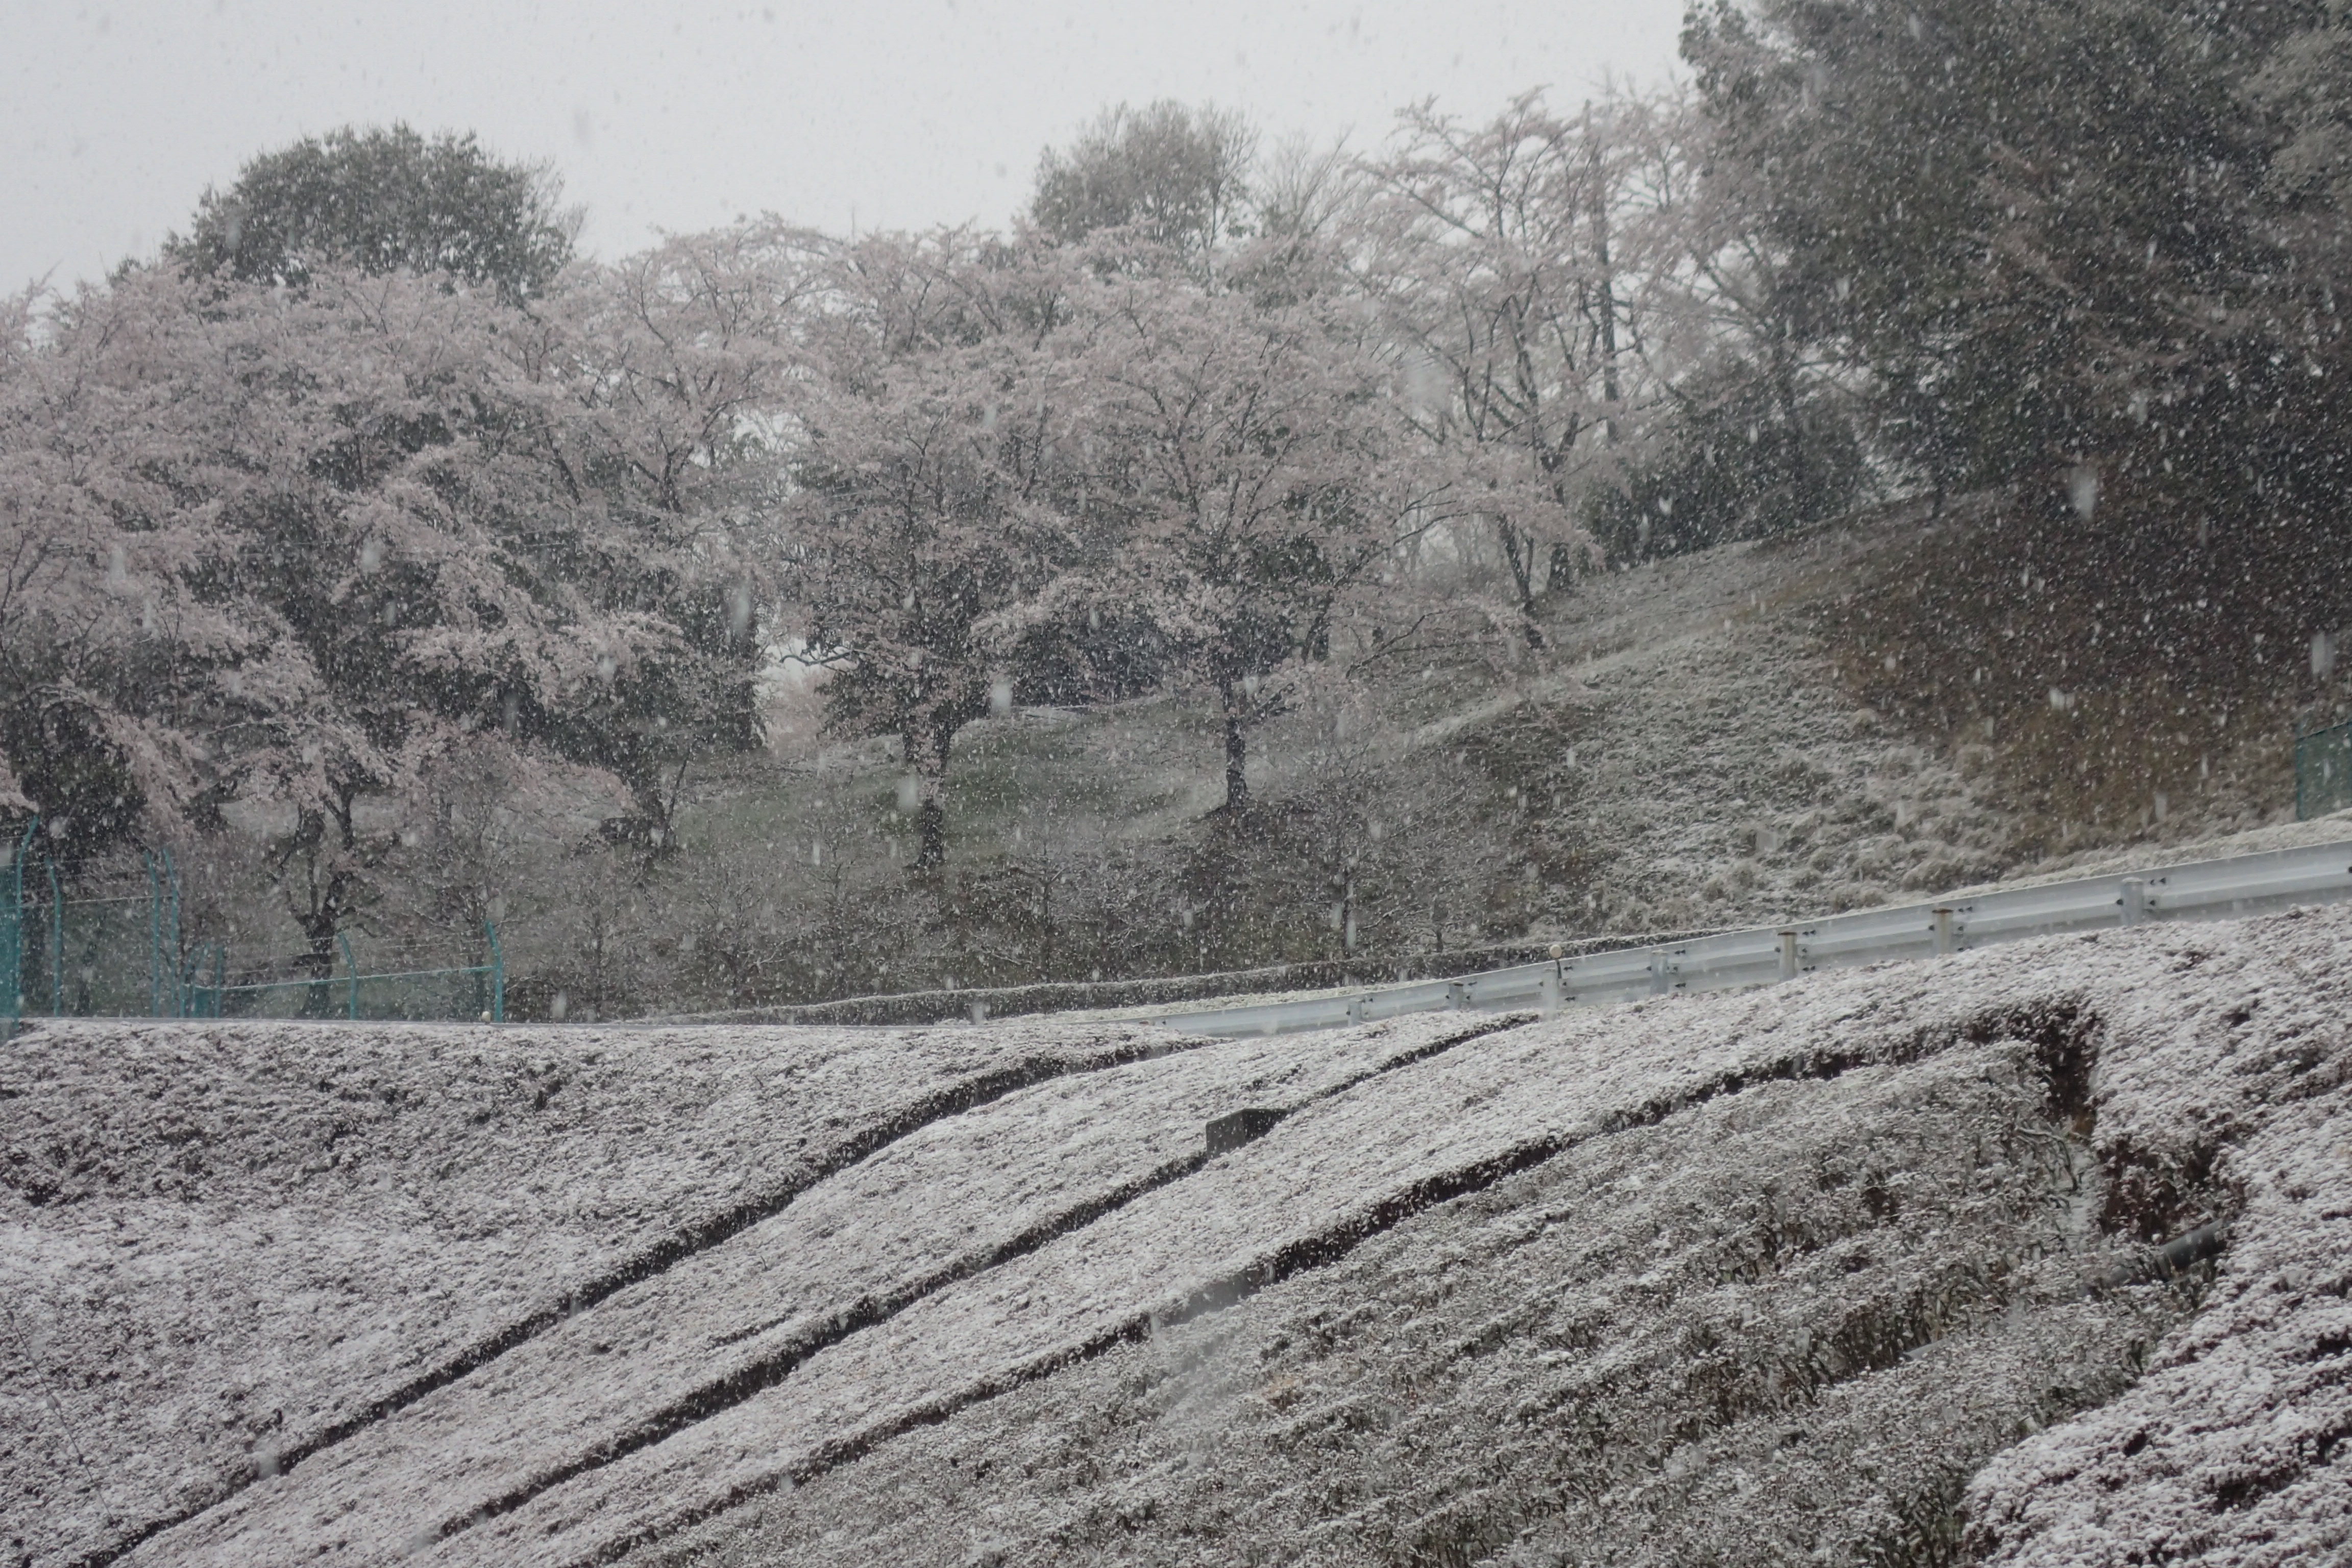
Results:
x,y
1745,735
1817,1319
1773,1277
225,1247
1712,740
1848,717
2130,677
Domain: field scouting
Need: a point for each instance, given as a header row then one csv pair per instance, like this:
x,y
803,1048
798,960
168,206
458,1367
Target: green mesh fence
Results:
x,y
349,983
89,946
114,945
2323,772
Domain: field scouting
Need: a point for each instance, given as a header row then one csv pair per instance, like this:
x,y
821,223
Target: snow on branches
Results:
x,y
1259,468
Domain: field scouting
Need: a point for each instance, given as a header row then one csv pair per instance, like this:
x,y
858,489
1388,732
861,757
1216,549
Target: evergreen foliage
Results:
x,y
382,200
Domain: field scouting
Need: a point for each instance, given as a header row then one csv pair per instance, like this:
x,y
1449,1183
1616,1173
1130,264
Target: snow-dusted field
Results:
x,y
940,1205
1721,774
1852,1269
225,1248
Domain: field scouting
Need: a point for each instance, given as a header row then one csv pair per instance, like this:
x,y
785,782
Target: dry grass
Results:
x,y
2132,675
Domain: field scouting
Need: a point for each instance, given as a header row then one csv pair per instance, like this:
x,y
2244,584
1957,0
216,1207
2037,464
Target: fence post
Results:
x,y
56,940
351,996
155,936
12,936
2300,813
2134,900
1944,942
1787,955
175,969
498,973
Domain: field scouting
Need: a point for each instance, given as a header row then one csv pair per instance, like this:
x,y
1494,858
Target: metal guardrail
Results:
x,y
2207,890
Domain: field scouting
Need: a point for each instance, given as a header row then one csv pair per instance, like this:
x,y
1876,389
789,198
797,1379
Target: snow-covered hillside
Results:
x,y
227,1247
1852,1269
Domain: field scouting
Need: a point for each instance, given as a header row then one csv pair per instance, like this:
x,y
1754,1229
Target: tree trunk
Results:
x,y
321,907
1784,388
927,756
1237,754
1522,551
1607,292
320,926
931,822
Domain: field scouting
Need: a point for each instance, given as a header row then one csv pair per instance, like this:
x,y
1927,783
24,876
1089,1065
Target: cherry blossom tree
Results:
x,y
406,528
103,641
664,393
1752,429
1261,467
284,547
1511,288
925,517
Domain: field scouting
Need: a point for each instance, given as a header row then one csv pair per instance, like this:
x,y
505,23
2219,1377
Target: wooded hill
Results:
x,y
403,570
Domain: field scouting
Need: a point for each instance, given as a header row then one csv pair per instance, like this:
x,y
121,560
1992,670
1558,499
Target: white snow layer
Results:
x,y
1849,1269
224,1245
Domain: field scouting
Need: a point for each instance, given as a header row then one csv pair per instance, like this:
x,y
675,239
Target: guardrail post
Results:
x,y
1356,1010
1788,955
1659,983
1551,990
1944,940
1457,995
2134,900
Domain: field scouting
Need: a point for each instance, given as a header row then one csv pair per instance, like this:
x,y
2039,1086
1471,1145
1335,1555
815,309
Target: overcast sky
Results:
x,y
676,115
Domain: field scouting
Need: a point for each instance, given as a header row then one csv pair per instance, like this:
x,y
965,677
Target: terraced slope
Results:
x,y
1846,1272
683,1348
1856,1269
225,1248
